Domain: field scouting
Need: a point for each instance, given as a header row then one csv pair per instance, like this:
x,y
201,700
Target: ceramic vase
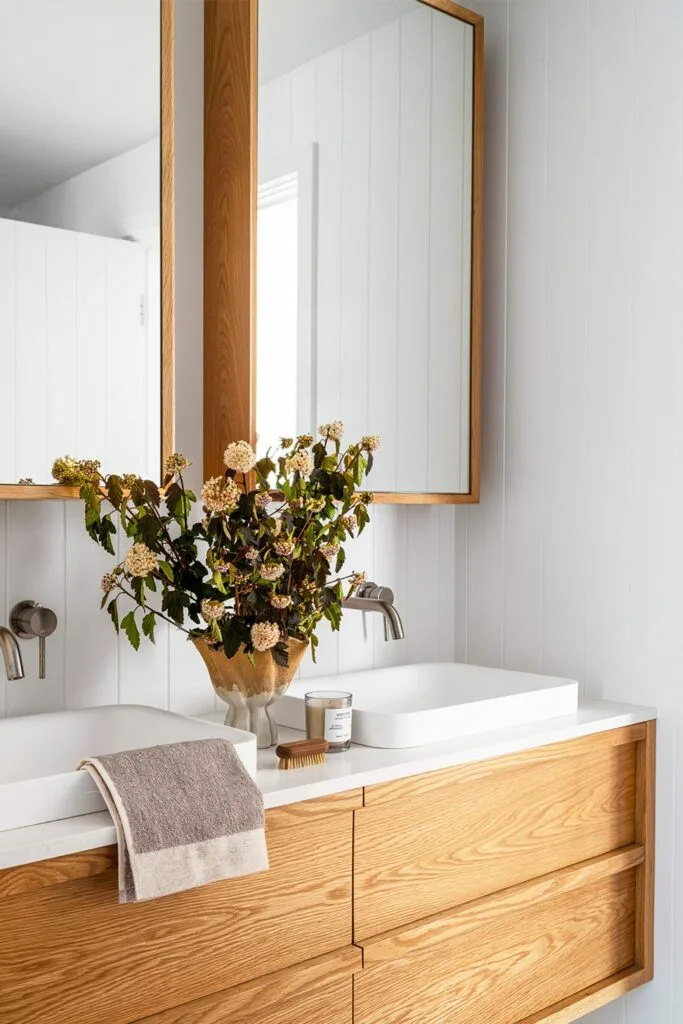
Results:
x,y
250,690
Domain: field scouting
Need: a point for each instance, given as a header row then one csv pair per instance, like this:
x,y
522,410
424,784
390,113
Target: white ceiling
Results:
x,y
292,32
79,84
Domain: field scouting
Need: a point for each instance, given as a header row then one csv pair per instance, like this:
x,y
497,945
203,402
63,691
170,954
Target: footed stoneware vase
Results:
x,y
250,690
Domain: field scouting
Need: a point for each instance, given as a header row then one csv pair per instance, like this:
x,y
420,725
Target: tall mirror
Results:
x,y
85,237
366,191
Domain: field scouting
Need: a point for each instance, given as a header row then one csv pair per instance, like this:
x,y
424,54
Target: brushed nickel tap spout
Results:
x,y
11,655
371,598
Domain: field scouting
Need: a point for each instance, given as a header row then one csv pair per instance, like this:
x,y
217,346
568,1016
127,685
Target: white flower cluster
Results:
x,y
300,462
140,561
239,456
272,573
263,500
280,600
284,548
175,463
350,522
212,611
219,495
265,635
332,431
329,551
370,442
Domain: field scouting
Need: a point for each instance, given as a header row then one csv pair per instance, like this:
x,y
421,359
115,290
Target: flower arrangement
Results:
x,y
262,566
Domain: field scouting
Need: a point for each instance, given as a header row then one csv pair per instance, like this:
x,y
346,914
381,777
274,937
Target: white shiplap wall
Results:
x,y
391,114
574,559
45,555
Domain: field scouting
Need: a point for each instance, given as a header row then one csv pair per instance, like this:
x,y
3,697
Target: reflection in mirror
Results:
x,y
80,278
365,174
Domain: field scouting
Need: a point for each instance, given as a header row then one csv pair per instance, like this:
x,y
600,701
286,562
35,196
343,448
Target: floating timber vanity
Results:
x,y
514,889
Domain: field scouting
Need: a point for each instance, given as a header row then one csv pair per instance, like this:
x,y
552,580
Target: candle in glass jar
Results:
x,y
328,717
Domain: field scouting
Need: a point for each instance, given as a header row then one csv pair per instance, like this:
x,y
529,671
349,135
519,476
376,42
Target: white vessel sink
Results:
x,y
418,704
39,755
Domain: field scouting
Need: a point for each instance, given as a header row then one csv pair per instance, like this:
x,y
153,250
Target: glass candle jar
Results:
x,y
328,717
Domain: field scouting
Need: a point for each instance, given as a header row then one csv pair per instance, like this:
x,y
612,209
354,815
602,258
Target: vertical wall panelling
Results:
x,y
328,119
30,351
565,337
413,249
583,371
450,251
91,347
385,113
35,557
8,335
3,597
61,265
91,661
355,234
526,269
480,530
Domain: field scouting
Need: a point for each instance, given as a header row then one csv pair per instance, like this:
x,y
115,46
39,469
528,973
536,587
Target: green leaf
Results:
x,y
341,558
130,626
167,570
114,612
148,624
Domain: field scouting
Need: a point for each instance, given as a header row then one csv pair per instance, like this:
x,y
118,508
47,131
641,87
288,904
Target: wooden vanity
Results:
x,y
513,890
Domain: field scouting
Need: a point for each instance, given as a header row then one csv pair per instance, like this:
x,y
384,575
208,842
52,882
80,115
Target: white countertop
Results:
x,y
360,766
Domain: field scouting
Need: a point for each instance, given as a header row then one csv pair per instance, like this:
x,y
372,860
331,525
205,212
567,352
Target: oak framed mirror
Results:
x,y
86,239
343,233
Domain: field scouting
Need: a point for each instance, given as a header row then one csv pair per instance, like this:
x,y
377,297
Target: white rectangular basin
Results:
x,y
39,755
419,704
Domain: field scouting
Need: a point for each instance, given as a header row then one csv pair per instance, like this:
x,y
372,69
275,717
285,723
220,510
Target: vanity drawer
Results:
x,y
525,955
68,949
425,844
317,992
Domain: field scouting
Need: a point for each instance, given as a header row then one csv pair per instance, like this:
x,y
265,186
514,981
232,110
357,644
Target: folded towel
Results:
x,y
186,814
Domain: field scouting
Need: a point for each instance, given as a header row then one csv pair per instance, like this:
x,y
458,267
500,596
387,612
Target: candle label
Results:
x,y
338,725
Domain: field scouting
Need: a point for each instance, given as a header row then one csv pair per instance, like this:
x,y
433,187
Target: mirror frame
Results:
x,y
230,197
42,492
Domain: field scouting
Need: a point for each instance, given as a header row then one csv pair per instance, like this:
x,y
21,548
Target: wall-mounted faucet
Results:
x,y
29,621
11,655
371,598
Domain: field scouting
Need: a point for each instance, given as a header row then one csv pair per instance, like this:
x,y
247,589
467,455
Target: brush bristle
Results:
x,y
306,761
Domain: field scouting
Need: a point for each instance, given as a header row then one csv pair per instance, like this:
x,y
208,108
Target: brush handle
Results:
x,y
302,748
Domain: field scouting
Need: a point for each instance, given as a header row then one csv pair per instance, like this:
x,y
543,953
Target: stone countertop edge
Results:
x,y
358,767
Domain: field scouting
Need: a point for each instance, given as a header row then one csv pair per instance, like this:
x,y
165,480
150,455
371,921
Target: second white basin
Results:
x,y
39,755
414,705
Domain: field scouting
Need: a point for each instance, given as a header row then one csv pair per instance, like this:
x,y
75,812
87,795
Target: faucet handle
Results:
x,y
29,620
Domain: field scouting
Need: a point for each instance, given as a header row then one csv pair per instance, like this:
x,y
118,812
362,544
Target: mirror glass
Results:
x,y
80,324
365,231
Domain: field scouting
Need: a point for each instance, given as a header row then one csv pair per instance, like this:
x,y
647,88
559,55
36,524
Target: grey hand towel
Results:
x,y
186,814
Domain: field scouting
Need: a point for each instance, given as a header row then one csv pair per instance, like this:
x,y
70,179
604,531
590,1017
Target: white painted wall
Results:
x,y
391,115
573,562
74,346
118,199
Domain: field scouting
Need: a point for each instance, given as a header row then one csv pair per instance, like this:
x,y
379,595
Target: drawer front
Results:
x,y
425,844
317,992
68,950
501,960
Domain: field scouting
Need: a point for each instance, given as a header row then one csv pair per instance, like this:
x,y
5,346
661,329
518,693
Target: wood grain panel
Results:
x,y
425,844
318,990
507,965
56,870
230,184
67,950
